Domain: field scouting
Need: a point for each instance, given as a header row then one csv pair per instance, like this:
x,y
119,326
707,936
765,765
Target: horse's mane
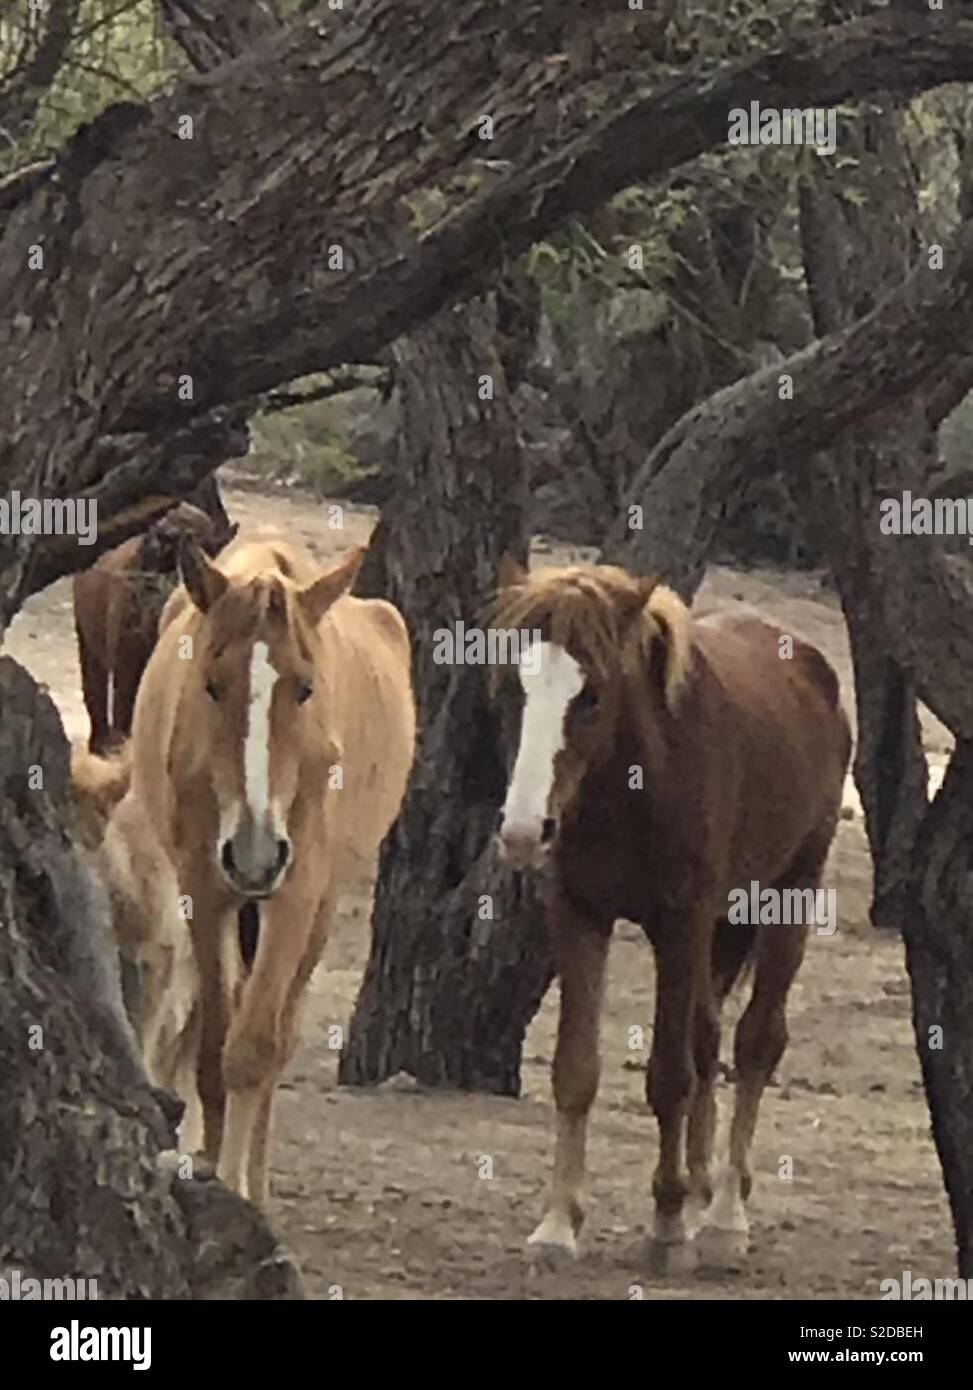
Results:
x,y
260,555
605,616
267,548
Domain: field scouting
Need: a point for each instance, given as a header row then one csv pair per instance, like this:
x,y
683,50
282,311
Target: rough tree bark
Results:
x,y
460,959
214,262
939,955
845,379
853,248
26,84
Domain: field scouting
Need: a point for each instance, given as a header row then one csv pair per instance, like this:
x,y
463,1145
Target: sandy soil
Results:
x,y
380,1193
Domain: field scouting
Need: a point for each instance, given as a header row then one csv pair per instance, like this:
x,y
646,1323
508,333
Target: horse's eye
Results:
x,y
303,692
212,690
587,701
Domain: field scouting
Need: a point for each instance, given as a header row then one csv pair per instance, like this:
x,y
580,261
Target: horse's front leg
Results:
x,y
580,946
262,1035
670,1083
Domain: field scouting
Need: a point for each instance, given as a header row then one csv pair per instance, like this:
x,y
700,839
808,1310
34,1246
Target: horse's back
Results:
x,y
756,655
368,641
781,699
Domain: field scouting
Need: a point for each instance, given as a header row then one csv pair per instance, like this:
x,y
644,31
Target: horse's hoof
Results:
x,y
694,1216
548,1256
553,1245
667,1258
722,1249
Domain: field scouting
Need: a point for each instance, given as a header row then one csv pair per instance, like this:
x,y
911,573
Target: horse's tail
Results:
x,y
100,782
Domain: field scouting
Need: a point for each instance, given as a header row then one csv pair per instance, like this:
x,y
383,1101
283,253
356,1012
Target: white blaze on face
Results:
x,y
549,688
256,748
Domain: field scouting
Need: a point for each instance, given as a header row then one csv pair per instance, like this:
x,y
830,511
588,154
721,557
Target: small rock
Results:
x,y
401,1081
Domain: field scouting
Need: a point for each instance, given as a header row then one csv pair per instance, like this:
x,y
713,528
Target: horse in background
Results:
x,y
158,975
664,762
117,604
273,735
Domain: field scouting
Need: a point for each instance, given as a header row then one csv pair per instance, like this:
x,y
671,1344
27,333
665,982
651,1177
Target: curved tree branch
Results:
x,y
216,265
922,333
26,85
211,33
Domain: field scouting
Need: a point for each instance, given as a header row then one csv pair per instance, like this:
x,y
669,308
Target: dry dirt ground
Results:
x,y
380,1193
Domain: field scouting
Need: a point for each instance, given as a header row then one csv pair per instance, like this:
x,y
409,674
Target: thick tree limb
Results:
x,y
213,263
211,32
24,88
338,383
635,138
143,478
922,332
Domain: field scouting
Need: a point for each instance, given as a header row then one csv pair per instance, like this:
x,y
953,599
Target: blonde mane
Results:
x,y
606,618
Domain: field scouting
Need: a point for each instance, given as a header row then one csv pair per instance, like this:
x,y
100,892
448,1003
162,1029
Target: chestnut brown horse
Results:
x,y
117,603
273,735
666,761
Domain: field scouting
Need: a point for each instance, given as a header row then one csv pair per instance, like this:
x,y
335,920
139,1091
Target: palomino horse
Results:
x,y
664,761
273,735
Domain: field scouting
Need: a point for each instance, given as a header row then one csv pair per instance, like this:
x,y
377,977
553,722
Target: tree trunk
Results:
x,y
939,956
923,855
459,959
853,249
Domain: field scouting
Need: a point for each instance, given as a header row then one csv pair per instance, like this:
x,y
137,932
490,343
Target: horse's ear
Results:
x,y
647,586
671,643
511,571
204,582
317,597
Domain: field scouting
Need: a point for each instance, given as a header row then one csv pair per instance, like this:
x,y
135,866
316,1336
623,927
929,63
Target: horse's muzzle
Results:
x,y
254,862
522,851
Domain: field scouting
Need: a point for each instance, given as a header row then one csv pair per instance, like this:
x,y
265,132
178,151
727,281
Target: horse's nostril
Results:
x,y
283,853
226,856
548,829
499,821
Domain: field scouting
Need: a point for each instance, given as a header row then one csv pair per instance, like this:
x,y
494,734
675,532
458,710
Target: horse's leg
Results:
x,y
208,928
177,1033
191,1132
731,946
262,1031
761,1037
258,1177
94,683
682,971
580,947
701,1126
130,660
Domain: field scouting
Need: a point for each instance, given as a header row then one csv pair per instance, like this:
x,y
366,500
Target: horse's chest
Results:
x,y
631,853
607,863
